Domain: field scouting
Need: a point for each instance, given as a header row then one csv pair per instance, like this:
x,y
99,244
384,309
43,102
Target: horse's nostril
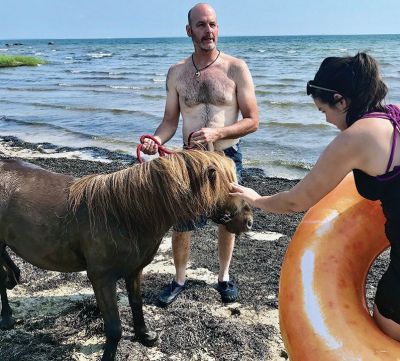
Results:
x,y
249,224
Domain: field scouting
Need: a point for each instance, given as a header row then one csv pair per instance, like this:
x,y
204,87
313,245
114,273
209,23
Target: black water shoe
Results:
x,y
228,291
170,293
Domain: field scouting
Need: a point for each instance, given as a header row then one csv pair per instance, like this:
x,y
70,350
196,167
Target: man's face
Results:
x,y
203,28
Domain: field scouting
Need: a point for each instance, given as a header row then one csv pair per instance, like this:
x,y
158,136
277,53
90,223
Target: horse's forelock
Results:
x,y
216,172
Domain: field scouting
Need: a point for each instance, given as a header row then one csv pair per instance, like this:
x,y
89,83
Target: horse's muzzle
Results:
x,y
249,224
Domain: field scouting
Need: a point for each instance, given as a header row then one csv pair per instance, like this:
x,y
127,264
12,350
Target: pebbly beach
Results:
x,y
56,313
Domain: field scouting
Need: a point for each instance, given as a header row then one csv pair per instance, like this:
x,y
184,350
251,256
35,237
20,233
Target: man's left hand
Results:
x,y
206,135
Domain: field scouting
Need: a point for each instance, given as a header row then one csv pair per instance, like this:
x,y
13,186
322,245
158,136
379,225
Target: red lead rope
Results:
x,y
162,151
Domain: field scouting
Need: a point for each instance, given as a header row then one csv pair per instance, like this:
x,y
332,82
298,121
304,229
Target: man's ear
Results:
x,y
189,31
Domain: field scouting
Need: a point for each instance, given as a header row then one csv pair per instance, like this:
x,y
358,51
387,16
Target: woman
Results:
x,y
351,93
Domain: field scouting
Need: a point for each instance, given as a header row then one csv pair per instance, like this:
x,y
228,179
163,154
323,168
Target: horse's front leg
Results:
x,y
7,321
146,337
106,296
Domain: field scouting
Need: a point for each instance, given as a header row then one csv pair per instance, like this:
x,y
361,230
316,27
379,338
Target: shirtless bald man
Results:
x,y
208,88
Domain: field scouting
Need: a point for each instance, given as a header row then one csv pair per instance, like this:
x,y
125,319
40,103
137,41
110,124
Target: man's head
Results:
x,y
203,27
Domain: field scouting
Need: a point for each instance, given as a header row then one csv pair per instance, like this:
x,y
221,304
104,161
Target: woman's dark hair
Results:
x,y
356,79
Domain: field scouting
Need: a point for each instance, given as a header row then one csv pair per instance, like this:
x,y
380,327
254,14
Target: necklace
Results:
x,y
197,73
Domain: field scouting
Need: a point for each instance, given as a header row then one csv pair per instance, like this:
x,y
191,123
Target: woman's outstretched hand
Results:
x,y
247,194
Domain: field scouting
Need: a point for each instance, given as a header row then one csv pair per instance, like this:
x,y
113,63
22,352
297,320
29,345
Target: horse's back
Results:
x,y
19,178
11,177
28,191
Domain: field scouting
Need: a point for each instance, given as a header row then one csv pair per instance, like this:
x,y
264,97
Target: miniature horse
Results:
x,y
110,225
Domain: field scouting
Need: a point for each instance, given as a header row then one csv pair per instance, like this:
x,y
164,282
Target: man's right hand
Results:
x,y
149,146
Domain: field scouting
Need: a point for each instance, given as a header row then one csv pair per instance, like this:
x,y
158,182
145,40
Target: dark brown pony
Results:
x,y
109,224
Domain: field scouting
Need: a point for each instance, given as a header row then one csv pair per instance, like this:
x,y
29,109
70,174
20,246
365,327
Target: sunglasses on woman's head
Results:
x,y
312,86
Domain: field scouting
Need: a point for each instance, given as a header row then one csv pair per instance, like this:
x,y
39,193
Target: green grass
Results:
x,y
19,60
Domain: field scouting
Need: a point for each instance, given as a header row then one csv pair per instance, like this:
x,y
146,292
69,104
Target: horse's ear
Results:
x,y
212,174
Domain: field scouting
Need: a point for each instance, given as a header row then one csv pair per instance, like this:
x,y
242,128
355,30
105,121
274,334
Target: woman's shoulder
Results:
x,y
371,125
368,133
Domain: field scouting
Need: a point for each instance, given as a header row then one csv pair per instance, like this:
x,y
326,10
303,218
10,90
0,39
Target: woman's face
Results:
x,y
335,114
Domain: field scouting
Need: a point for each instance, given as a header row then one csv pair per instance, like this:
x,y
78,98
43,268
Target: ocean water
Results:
x,y
108,92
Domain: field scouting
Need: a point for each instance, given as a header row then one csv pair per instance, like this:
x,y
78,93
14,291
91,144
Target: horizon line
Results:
x,y
184,37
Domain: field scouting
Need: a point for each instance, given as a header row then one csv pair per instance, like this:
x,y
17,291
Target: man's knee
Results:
x,y
181,236
223,233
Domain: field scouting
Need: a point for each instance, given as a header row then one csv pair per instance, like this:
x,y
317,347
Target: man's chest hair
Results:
x,y
210,88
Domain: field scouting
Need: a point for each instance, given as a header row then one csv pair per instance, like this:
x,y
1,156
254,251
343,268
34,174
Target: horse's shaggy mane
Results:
x,y
158,193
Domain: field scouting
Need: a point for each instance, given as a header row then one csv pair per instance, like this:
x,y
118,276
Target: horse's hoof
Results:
x,y
7,323
149,338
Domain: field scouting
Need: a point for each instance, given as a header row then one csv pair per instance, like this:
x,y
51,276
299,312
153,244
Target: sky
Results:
x,y
59,19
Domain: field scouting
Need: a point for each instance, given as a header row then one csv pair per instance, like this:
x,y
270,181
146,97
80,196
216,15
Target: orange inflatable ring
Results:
x,y
322,307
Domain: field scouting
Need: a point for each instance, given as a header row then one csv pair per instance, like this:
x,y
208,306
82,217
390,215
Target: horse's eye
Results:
x,y
226,217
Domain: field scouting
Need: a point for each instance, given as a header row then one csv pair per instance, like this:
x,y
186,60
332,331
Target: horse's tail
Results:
x,y
10,272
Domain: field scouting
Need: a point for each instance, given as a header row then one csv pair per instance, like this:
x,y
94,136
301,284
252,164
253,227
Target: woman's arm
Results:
x,y
345,153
